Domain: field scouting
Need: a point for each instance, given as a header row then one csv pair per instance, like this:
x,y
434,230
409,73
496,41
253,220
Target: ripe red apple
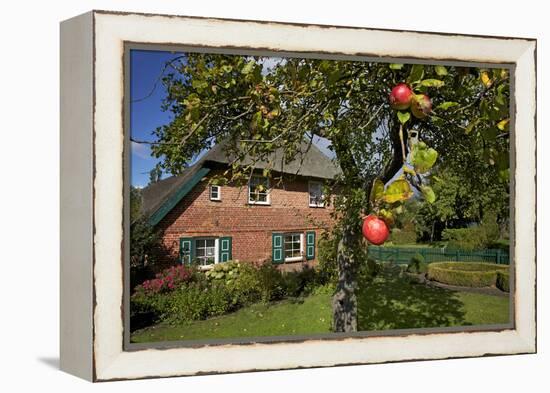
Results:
x,y
375,230
401,96
421,106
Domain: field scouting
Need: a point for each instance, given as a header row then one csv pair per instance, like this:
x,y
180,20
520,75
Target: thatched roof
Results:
x,y
312,163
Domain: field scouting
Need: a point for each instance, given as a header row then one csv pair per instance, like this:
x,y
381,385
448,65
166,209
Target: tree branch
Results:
x,y
166,65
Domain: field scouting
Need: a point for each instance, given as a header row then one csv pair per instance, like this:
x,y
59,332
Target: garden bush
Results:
x,y
503,281
168,279
417,264
226,271
198,301
466,274
473,238
403,236
467,239
182,294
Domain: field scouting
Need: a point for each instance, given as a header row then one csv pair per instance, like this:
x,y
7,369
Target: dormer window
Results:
x,y
258,190
316,197
215,193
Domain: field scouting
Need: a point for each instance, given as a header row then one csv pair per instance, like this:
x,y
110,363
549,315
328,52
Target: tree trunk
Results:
x,y
344,302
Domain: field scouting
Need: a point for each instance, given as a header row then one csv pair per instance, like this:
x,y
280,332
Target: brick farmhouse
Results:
x,y
264,221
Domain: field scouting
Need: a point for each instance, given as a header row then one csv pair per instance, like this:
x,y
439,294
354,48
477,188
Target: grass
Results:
x,y
388,302
392,302
288,317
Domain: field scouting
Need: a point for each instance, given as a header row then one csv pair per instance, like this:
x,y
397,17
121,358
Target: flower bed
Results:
x,y
181,294
465,274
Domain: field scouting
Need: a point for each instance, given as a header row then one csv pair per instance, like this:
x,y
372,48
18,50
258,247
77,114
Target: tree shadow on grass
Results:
x,y
391,301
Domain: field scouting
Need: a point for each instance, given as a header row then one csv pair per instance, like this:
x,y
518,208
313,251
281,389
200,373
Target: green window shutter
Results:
x,y
310,245
187,250
226,247
277,248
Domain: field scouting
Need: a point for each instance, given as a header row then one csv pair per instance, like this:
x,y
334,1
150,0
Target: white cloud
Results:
x,y
141,150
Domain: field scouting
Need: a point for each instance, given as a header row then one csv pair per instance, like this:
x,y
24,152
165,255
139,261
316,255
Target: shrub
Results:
x,y
257,283
198,301
145,239
473,238
503,281
417,264
147,308
139,274
180,294
466,274
226,271
468,239
169,279
403,236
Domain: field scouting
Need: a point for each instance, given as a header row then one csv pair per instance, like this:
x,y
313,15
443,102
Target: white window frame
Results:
x,y
216,251
268,192
302,240
318,204
219,190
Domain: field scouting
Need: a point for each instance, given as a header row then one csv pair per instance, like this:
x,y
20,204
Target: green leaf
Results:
x,y
377,191
399,190
387,216
500,99
396,66
417,72
257,120
334,76
409,170
247,69
502,160
441,70
403,117
504,175
423,157
446,105
199,84
432,83
490,133
470,127
428,193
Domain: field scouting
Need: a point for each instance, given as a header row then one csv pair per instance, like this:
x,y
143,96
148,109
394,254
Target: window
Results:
x,y
293,246
206,251
258,190
316,197
215,193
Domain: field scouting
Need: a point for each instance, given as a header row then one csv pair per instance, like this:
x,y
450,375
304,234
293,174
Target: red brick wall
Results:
x,y
250,226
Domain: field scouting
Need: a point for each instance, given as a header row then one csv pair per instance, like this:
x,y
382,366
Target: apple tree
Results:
x,y
385,131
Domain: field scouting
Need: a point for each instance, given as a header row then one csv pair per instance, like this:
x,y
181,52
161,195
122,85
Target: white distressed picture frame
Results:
x,y
92,195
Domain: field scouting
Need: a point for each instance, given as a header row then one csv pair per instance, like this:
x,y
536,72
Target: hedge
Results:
x,y
465,274
503,281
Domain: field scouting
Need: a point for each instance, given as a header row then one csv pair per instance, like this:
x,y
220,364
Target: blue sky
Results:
x,y
145,113
145,109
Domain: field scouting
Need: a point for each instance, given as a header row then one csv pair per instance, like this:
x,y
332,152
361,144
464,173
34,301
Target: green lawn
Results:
x,y
389,302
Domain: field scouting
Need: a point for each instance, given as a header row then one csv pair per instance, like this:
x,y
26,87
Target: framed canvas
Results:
x,y
246,195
